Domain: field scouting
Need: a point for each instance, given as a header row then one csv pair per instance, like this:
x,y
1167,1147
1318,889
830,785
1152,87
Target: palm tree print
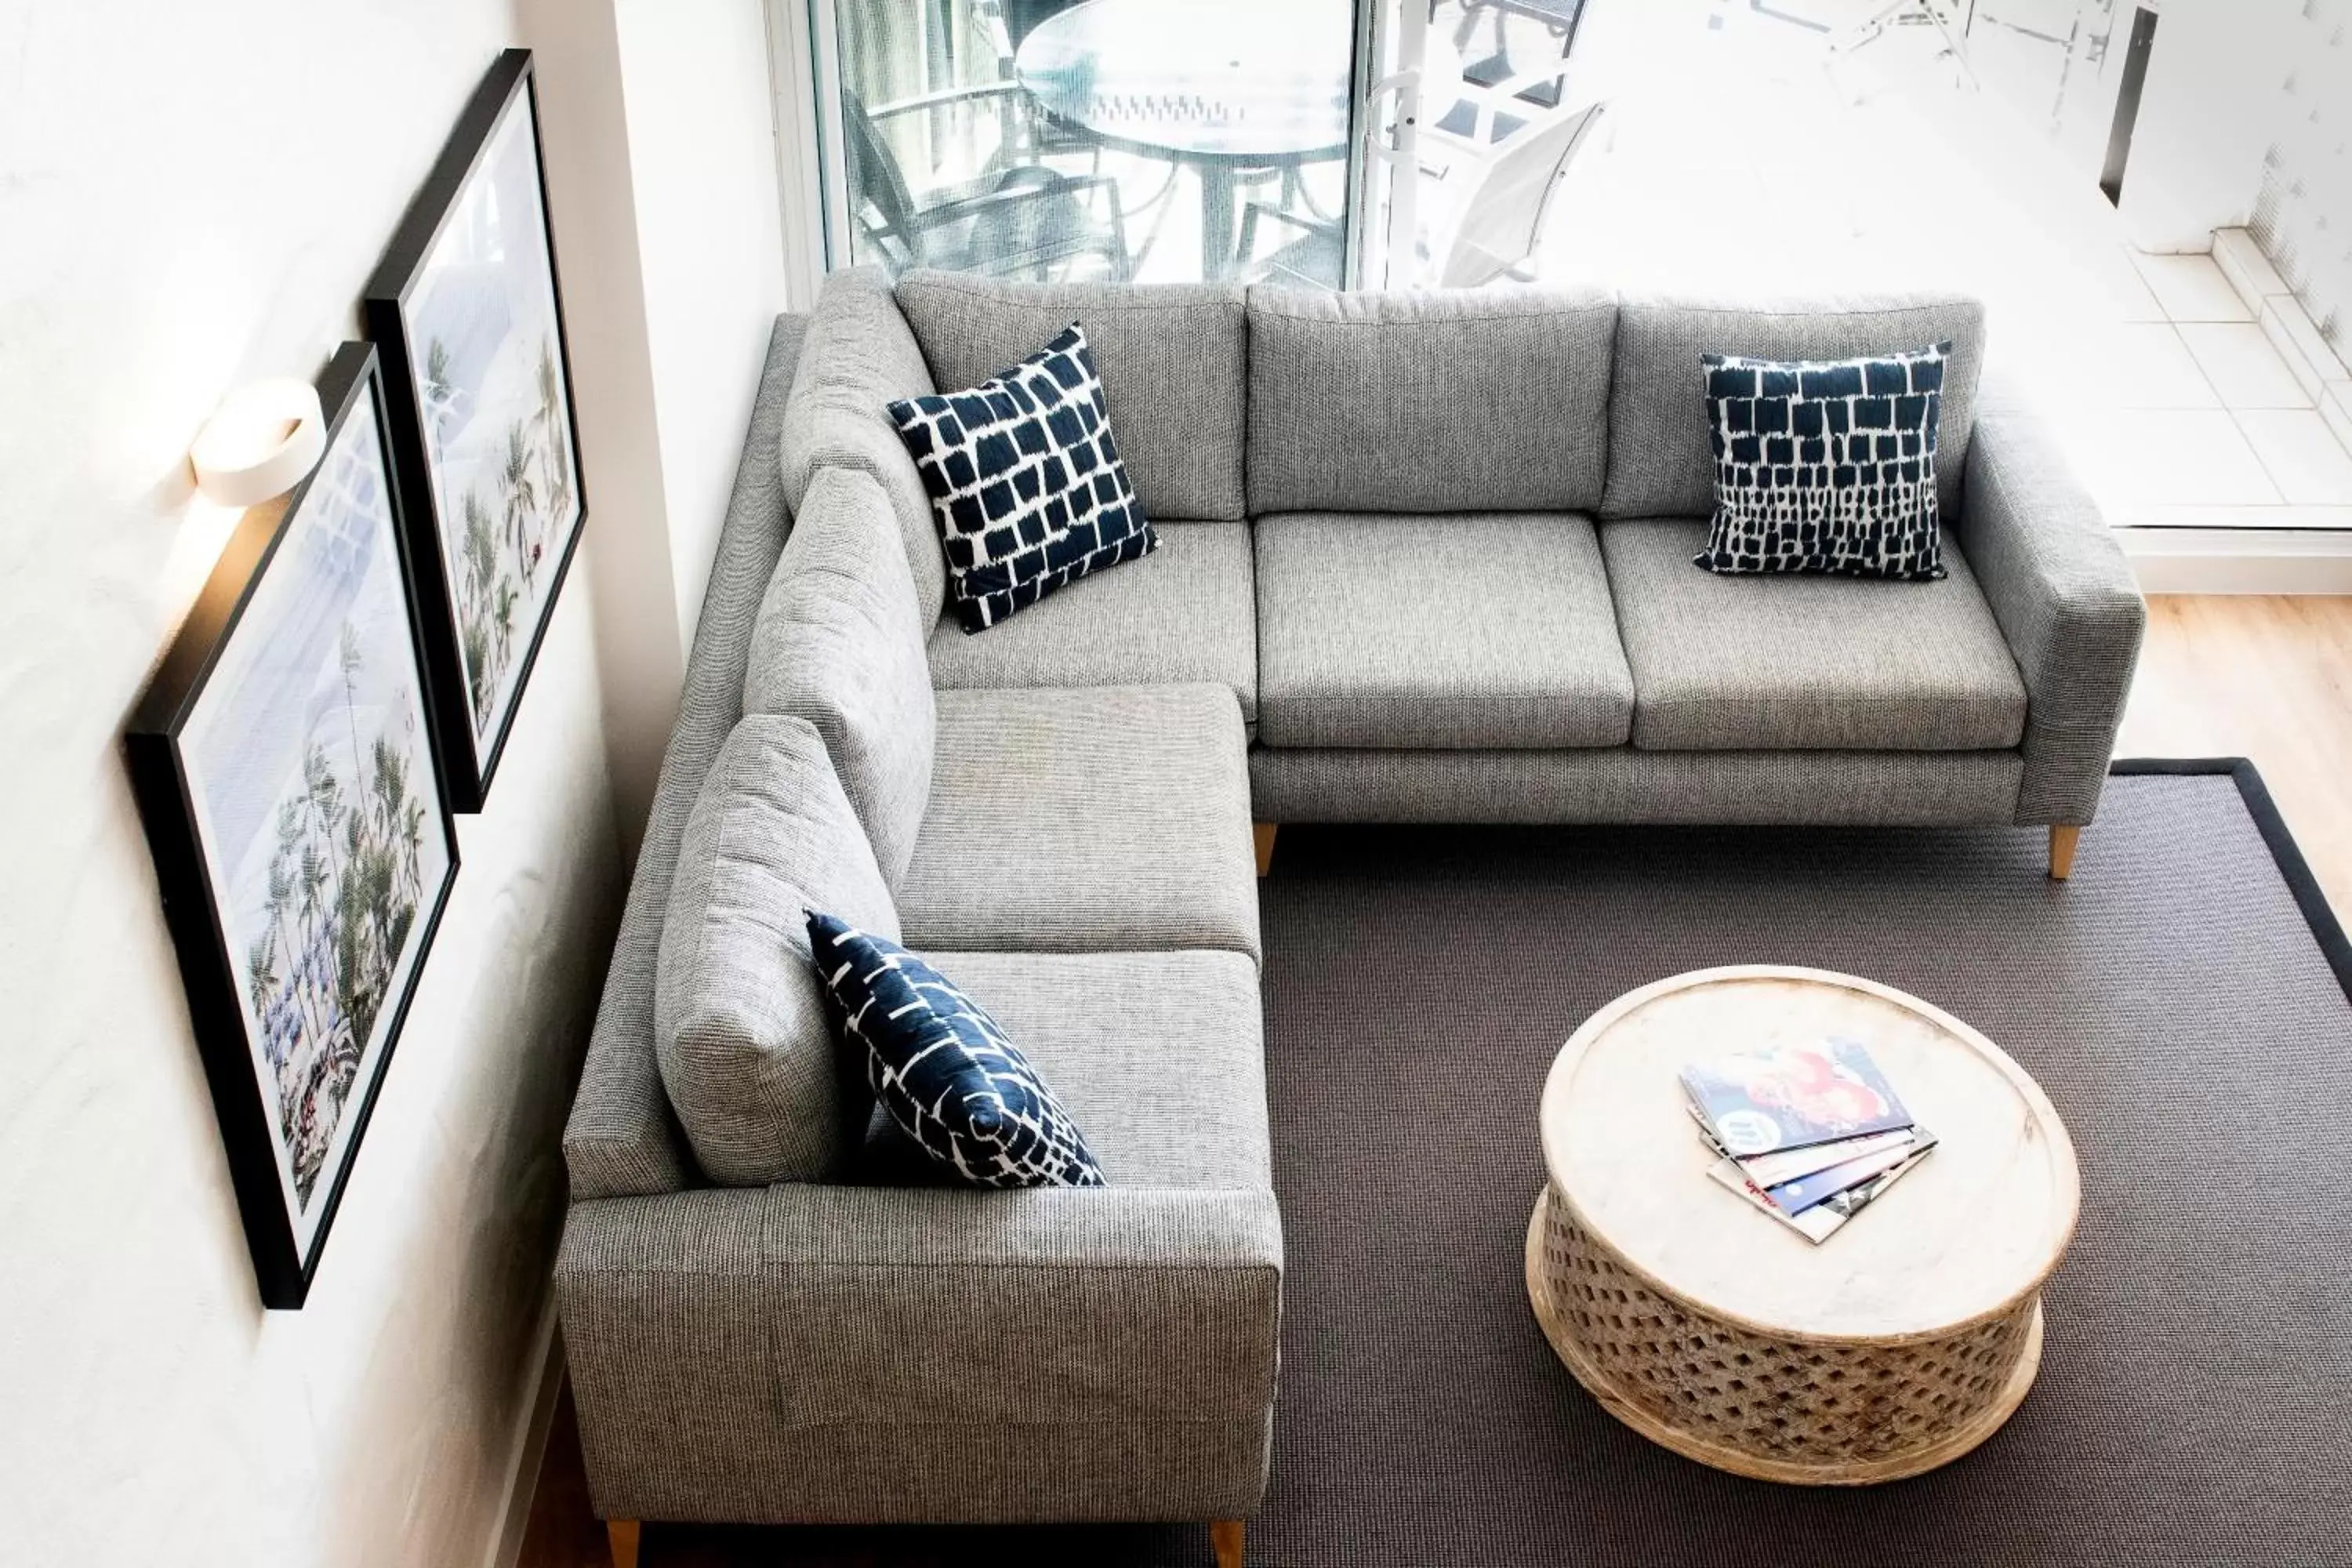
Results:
x,y
504,535
345,881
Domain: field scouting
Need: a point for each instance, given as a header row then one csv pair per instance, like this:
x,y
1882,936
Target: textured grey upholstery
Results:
x,y
1800,662
747,1050
1172,361
1484,631
1486,400
843,1353
1660,462
840,644
2067,604
859,357
850,1354
1881,789
621,1139
1156,1056
1108,819
1184,612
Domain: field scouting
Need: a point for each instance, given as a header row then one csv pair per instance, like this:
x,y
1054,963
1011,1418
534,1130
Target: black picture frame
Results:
x,y
482,603
302,903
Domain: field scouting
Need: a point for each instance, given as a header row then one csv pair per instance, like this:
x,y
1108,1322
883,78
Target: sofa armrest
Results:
x,y
890,1355
2065,596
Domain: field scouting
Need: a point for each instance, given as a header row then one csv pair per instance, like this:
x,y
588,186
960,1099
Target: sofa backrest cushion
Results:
x,y
858,359
1173,360
1475,400
748,1056
841,642
1661,463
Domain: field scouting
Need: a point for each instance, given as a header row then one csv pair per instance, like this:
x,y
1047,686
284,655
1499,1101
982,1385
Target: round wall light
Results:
x,y
259,443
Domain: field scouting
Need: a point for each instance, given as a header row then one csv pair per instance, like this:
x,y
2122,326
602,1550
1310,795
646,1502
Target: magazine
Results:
x,y
1792,1097
1795,1198
1787,1165
1825,1219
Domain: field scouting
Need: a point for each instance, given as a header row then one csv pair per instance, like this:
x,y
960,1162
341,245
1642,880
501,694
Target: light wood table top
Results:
x,y
1966,1236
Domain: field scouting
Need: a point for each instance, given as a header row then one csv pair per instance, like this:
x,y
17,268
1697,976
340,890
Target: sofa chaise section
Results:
x,y
814,1352
834,1349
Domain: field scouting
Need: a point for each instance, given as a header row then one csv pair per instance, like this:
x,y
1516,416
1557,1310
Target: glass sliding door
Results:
x,y
1158,141
1476,114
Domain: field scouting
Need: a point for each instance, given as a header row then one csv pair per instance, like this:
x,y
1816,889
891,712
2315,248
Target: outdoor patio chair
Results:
x,y
1494,231
1494,86
1024,219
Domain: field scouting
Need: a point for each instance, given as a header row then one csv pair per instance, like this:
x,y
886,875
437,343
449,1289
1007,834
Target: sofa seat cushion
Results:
x,y
1805,663
1106,819
1183,613
1158,1058
1483,630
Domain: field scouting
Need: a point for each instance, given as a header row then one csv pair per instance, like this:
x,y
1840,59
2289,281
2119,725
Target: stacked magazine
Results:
x,y
1808,1134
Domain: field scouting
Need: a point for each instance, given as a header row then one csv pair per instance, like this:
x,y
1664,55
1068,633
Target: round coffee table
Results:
x,y
1899,1343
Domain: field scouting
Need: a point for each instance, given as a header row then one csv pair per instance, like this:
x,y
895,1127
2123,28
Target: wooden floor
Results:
x,y
2269,679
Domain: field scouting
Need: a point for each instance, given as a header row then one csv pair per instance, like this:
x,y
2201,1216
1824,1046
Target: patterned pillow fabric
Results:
x,y
1025,481
1826,464
944,1067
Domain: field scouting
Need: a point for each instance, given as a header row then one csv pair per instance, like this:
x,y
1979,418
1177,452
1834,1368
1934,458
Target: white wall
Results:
x,y
190,196
702,161
2206,112
662,170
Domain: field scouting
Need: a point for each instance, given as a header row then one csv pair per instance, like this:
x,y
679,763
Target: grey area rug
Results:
x,y
2179,1001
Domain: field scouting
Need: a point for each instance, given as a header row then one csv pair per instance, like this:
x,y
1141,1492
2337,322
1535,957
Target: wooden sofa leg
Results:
x,y
1263,833
1226,1535
622,1535
2062,852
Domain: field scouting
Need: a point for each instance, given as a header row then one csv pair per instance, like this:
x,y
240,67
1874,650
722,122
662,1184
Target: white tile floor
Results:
x,y
2243,367
1736,160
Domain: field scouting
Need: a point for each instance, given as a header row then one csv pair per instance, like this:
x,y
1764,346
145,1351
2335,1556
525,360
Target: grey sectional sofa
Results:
x,y
1424,558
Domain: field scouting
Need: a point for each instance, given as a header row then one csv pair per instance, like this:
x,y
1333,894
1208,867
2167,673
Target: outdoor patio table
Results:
x,y
1220,85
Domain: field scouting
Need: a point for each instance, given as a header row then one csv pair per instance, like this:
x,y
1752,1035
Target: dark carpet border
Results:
x,y
2317,913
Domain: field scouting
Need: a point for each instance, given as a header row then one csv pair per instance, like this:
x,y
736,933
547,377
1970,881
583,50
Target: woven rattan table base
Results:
x,y
1820,1413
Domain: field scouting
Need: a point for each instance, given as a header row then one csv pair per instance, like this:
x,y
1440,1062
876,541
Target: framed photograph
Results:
x,y
468,313
284,764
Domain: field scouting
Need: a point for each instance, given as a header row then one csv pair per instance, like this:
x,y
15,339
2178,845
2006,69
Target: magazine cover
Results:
x,y
1816,1224
1756,1102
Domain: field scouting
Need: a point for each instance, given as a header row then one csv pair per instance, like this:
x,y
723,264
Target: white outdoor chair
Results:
x,y
1495,228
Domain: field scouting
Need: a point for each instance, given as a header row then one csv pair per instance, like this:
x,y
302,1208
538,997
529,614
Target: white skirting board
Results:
x,y
2239,559
546,1384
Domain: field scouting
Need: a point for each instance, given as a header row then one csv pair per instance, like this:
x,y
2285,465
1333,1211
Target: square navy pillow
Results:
x,y
1826,466
1025,481
944,1069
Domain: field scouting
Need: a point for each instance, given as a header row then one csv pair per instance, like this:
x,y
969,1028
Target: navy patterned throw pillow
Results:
x,y
1826,464
944,1067
1025,481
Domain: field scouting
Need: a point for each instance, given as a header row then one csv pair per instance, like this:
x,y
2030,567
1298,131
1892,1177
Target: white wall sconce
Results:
x,y
259,443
